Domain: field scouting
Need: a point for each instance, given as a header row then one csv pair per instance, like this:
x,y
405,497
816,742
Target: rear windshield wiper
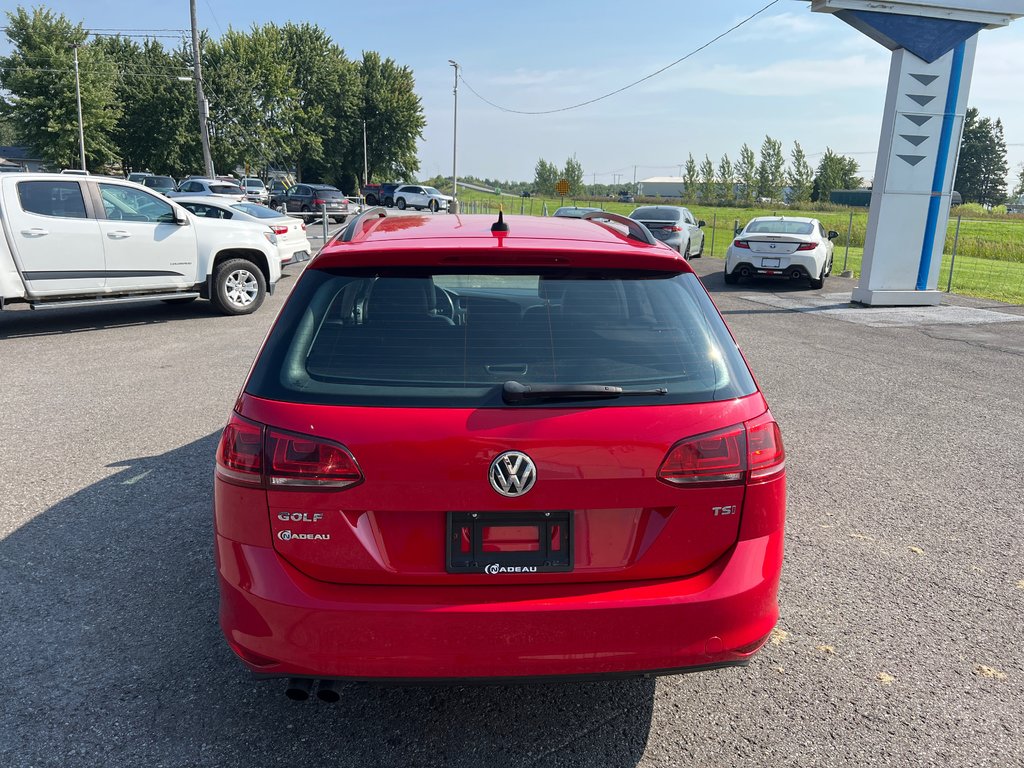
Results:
x,y
514,392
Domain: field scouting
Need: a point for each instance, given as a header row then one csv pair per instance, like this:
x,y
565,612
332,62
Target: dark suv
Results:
x,y
310,199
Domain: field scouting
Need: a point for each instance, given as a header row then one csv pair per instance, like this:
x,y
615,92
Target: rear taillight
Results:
x,y
240,453
280,229
716,457
741,244
303,225
673,228
751,451
302,460
252,454
318,201
807,246
766,456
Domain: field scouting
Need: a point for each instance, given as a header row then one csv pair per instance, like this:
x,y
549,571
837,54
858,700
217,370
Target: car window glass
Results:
x,y
126,203
452,339
259,211
52,198
780,227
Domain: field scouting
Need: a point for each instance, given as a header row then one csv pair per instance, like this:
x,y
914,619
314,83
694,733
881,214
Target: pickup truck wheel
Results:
x,y
238,287
400,202
371,199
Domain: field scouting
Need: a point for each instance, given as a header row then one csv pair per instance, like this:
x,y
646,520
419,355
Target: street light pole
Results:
x,y
455,140
202,104
78,99
366,163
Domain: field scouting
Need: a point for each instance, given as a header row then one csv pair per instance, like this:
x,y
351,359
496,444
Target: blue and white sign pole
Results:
x,y
933,44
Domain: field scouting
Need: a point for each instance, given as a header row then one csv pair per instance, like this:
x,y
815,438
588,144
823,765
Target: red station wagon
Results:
x,y
479,450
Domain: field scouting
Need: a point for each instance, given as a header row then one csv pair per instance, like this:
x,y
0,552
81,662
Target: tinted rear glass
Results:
x,y
328,194
259,211
657,214
780,227
225,189
401,338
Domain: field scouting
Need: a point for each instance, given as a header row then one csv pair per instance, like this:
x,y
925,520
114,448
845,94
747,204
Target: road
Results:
x,y
902,594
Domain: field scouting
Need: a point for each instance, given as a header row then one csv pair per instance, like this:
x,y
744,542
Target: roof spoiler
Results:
x,y
350,231
637,231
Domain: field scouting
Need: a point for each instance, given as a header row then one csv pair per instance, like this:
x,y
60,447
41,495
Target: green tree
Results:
x,y
690,177
834,172
800,176
746,173
1019,191
707,180
770,170
157,130
39,80
981,170
545,176
573,173
394,117
726,179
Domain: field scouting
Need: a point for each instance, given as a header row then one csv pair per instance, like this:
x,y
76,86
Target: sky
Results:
x,y
788,73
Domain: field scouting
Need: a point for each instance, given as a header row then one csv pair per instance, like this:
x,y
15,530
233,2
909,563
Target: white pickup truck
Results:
x,y
82,241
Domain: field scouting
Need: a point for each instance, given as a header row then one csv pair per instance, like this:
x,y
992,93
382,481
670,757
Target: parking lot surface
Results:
x,y
902,595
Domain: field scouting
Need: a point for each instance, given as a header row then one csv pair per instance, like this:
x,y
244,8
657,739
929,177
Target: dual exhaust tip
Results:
x,y
796,274
300,689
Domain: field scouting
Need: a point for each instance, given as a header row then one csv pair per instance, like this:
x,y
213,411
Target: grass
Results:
x,y
990,249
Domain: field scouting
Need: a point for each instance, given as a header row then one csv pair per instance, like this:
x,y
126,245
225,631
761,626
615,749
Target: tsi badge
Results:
x,y
724,511
289,536
493,568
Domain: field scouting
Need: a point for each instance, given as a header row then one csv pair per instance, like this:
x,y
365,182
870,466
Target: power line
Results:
x,y
625,87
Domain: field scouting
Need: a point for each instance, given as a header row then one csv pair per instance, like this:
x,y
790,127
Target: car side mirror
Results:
x,y
832,234
180,217
702,223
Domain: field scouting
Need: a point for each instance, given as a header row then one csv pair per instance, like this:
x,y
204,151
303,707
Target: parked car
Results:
x,y
625,197
96,240
255,190
789,247
311,199
162,184
674,226
573,212
292,243
490,450
201,186
138,176
421,198
380,194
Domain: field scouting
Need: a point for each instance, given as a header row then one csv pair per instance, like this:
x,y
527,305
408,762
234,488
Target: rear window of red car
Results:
x,y
453,339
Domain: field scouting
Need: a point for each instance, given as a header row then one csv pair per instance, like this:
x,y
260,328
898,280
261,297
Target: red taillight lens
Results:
x,y
280,229
319,202
717,457
303,225
302,460
251,454
240,453
807,246
673,229
741,244
766,456
752,451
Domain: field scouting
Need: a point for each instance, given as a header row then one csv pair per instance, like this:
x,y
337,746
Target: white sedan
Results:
x,y
289,232
781,246
415,196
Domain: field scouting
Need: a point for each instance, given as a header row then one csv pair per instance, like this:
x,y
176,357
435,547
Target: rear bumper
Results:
x,y
281,623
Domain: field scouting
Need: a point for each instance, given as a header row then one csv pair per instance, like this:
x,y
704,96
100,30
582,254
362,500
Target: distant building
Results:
x,y
861,198
20,159
663,186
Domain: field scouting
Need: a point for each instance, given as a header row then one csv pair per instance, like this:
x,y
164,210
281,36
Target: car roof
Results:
x,y
422,240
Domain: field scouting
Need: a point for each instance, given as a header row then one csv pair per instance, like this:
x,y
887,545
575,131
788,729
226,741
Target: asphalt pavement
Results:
x,y
899,641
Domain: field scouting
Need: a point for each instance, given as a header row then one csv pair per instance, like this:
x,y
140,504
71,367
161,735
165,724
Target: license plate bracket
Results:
x,y
770,262
509,542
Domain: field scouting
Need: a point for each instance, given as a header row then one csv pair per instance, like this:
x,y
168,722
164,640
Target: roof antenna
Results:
x,y
500,225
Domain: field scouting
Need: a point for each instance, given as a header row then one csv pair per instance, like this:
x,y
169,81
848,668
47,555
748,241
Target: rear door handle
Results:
x,y
35,232
118,234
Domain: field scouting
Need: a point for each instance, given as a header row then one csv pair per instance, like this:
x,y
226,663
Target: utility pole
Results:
x,y
197,67
634,179
78,98
366,162
455,141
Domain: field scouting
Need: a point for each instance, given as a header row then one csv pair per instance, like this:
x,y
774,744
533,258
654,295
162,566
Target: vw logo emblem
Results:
x,y
772,245
512,473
